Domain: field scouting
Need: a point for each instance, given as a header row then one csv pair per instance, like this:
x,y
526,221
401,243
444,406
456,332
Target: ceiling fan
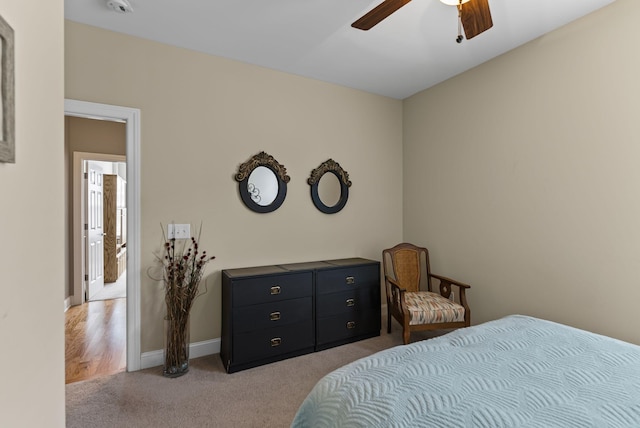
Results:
x,y
473,15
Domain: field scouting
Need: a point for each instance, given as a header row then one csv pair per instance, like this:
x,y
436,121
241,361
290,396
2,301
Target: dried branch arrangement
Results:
x,y
183,271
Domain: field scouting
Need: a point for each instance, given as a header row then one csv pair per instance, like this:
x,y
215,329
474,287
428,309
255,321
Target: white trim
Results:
x,y
67,303
132,118
196,350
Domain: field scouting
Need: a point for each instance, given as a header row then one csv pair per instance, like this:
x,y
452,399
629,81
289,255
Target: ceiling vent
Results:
x,y
121,6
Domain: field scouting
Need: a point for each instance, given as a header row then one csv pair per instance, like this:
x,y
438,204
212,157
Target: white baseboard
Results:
x,y
198,349
67,303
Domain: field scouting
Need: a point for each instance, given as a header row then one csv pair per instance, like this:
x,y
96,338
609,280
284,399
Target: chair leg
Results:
x,y
405,336
388,320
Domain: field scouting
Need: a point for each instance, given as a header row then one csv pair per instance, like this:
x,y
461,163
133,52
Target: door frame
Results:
x,y
131,117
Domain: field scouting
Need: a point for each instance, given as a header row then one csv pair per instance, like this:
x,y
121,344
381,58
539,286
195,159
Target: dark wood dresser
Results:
x,y
270,313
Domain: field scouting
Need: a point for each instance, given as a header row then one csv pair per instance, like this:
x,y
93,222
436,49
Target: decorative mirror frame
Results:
x,y
7,136
242,177
329,166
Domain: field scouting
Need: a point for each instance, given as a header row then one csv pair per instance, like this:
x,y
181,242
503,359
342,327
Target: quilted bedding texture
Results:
x,y
517,371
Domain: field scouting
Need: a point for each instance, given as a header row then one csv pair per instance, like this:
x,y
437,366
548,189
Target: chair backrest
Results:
x,y
408,265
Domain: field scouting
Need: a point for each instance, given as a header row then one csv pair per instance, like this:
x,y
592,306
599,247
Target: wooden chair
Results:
x,y
410,299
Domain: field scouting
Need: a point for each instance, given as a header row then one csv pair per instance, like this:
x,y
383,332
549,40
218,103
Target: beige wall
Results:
x,y
31,215
202,116
522,176
89,136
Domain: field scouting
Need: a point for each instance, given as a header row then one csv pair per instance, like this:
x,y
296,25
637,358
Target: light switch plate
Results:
x,y
178,231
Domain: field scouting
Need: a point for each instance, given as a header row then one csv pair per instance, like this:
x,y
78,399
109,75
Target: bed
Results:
x,y
517,371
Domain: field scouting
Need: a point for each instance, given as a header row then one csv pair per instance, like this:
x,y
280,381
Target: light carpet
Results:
x,y
265,396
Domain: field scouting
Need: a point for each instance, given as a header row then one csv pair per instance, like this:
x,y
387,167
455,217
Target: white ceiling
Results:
x,y
410,51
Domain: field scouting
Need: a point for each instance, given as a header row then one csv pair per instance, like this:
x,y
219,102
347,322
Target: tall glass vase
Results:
x,y
176,346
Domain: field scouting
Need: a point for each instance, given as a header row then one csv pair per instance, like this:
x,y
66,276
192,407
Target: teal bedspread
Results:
x,y
517,371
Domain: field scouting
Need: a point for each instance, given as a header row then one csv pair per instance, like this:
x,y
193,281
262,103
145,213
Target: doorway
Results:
x,y
131,118
95,327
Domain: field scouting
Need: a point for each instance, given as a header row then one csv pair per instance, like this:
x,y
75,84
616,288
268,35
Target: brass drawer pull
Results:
x,y
350,280
274,316
275,289
351,324
351,302
276,341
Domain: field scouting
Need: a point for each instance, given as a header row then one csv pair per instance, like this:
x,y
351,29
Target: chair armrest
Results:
x,y
450,281
445,291
396,292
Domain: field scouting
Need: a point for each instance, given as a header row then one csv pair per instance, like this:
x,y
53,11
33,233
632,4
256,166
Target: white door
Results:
x,y
95,232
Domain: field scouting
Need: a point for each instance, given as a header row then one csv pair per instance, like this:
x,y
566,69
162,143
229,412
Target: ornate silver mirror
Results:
x,y
329,187
262,183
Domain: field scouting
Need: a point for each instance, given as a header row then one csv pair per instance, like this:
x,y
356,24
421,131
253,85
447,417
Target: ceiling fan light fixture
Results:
x,y
453,2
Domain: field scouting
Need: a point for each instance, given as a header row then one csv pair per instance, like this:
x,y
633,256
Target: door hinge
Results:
x,y
86,175
86,277
86,226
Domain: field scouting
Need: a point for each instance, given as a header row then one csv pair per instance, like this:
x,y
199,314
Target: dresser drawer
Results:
x,y
351,301
266,289
271,342
274,314
343,279
344,326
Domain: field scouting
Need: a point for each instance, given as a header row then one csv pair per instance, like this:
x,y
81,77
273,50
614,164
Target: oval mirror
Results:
x,y
329,187
262,183
263,186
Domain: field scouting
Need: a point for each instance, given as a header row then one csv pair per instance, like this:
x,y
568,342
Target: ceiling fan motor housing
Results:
x,y
122,6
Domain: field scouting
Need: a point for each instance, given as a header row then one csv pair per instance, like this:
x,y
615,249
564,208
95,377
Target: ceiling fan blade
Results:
x,y
378,14
476,17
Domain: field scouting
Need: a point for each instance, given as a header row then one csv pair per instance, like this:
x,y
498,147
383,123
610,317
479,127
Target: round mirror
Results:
x,y
263,186
262,183
329,187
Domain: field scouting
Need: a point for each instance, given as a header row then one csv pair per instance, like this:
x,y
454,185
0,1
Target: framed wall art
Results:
x,y
7,121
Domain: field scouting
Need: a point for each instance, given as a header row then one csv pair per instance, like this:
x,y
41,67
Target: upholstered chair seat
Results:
x,y
426,307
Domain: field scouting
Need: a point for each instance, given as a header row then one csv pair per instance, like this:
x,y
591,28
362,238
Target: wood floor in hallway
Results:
x,y
95,339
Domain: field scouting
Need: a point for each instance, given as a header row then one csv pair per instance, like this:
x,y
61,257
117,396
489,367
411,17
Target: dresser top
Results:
x,y
304,266
296,267
350,262
258,270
